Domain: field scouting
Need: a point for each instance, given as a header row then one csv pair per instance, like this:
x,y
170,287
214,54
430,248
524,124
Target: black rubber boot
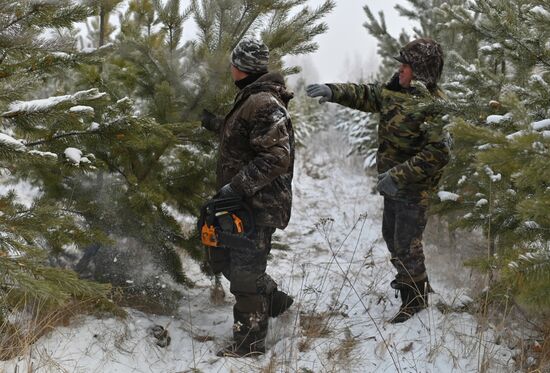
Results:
x,y
278,302
249,333
414,298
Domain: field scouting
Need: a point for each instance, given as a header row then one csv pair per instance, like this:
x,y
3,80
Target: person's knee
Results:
x,y
249,303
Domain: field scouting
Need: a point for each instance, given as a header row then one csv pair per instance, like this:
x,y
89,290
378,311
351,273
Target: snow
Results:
x,y
486,146
123,100
37,105
43,154
531,224
336,266
82,109
187,222
541,125
74,155
12,143
494,177
46,104
448,196
516,135
482,202
540,11
497,119
538,79
471,68
491,48
93,50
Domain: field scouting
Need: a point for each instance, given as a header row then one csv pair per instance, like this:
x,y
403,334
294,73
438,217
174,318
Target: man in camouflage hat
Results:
x,y
412,150
255,162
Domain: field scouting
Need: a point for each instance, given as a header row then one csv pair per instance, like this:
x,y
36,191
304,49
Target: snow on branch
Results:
x,y
104,48
12,143
41,105
541,124
497,119
75,157
447,196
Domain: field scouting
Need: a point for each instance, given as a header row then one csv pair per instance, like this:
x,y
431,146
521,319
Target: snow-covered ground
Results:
x,y
333,260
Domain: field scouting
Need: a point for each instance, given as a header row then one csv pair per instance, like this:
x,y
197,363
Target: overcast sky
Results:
x,y
347,52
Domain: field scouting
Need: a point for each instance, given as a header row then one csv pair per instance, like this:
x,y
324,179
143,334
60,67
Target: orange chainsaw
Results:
x,y
226,222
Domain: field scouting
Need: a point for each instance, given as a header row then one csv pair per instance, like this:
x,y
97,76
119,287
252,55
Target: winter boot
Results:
x,y
414,298
249,333
278,302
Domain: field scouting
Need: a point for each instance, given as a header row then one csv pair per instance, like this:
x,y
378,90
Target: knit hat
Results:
x,y
250,56
426,59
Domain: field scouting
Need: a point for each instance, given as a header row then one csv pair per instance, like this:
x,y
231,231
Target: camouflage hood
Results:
x,y
426,59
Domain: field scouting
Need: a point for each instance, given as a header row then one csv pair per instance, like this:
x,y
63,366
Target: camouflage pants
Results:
x,y
245,270
402,227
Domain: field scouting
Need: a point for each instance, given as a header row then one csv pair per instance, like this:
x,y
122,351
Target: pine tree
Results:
x,y
173,80
361,130
154,162
31,231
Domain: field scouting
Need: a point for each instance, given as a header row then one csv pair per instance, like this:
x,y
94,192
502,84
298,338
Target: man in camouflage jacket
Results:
x,y
412,150
255,162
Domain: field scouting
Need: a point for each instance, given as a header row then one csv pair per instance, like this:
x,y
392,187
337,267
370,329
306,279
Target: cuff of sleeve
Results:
x,y
332,91
238,187
393,174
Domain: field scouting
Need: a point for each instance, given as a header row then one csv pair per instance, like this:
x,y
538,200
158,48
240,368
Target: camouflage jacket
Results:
x,y
411,142
256,152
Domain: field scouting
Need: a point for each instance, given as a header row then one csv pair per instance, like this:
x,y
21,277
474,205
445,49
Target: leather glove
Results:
x,y
209,121
386,185
319,90
227,192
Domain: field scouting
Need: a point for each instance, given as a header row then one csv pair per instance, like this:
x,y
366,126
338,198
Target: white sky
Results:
x,y
347,51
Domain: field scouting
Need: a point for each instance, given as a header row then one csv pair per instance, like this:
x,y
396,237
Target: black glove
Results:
x,y
209,121
319,90
386,185
227,192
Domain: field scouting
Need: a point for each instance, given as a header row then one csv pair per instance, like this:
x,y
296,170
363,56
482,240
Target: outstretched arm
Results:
x,y
364,97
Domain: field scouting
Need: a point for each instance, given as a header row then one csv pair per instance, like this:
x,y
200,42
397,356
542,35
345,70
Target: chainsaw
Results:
x,y
226,222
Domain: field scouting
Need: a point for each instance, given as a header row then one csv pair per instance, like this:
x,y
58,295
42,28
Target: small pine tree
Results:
x,y
173,80
32,230
307,116
362,133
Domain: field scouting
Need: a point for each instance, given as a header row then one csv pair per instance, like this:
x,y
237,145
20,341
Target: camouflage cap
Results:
x,y
426,59
250,56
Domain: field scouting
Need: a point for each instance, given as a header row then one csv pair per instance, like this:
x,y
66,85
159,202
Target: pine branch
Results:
x,y
63,135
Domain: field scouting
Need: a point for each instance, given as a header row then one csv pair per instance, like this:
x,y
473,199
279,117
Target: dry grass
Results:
x,y
26,326
313,325
217,293
343,350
